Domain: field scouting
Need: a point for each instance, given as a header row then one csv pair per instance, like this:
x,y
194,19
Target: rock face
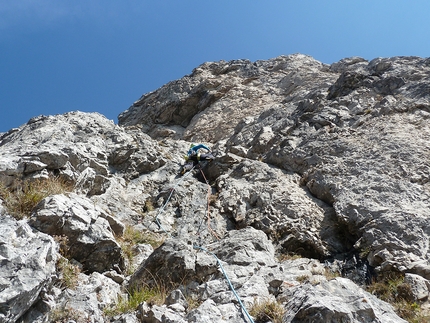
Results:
x,y
356,133
83,148
89,236
336,300
28,267
256,194
320,171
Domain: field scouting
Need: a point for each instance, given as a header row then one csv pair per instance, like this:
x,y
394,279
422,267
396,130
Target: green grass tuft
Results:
x,y
391,288
131,237
130,302
267,311
21,198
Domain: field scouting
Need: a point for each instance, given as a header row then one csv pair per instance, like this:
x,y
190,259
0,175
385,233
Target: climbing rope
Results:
x,y
200,247
228,281
167,201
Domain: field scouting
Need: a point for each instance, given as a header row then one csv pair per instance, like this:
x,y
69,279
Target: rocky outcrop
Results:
x,y
90,238
83,148
28,267
269,199
337,300
248,258
320,171
345,129
195,107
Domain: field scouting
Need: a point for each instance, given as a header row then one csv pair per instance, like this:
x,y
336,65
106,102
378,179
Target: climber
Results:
x,y
194,157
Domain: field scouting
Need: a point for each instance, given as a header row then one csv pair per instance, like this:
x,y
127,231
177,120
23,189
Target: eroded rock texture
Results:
x,y
318,168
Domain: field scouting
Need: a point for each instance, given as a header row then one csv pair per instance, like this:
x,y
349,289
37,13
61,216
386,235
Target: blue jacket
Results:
x,y
194,149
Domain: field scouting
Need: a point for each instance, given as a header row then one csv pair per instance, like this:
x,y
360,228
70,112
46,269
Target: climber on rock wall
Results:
x,y
194,156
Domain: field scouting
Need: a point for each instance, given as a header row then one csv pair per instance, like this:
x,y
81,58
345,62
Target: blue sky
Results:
x,y
102,55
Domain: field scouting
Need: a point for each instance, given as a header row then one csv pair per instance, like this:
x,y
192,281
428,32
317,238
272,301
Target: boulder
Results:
x,y
208,311
337,300
90,239
84,303
160,314
27,260
175,262
245,247
419,287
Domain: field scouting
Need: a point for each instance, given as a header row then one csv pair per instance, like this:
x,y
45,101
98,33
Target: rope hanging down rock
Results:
x,y
161,210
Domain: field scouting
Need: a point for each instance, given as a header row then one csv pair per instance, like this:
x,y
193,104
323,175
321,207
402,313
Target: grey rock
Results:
x,y
87,301
90,238
161,314
117,278
116,225
255,194
187,107
353,150
337,300
244,247
90,183
209,312
126,318
176,297
141,252
135,154
328,162
27,260
418,285
174,262
177,308
85,148
41,310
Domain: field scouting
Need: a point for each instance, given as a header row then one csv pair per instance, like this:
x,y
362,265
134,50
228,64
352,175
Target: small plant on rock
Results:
x,y
303,279
21,198
267,310
149,206
64,314
411,311
134,236
133,298
288,256
213,198
69,273
131,237
390,287
330,274
386,286
192,302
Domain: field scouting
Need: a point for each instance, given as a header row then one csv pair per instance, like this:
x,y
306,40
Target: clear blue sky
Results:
x,y
102,55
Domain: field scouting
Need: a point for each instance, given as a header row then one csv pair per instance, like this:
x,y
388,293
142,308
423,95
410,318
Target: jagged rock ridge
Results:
x,y
329,162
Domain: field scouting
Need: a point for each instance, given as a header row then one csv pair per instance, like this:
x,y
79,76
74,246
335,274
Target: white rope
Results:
x,y
161,210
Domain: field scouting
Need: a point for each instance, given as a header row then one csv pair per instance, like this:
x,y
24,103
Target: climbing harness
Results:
x,y
210,230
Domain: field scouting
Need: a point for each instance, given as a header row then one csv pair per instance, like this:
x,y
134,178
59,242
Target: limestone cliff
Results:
x,y
319,169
